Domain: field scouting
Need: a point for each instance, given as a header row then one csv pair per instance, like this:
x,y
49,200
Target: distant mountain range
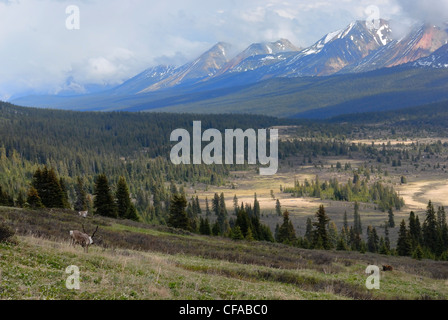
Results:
x,y
217,82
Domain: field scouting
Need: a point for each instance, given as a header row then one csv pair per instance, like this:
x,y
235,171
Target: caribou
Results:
x,y
82,238
83,214
388,268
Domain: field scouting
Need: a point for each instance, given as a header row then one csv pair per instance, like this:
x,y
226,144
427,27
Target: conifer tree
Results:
x,y
104,202
333,234
49,189
178,216
403,243
286,233
122,197
222,205
65,202
309,230
243,221
383,248
257,210
357,220
33,199
372,240
81,196
237,234
278,208
342,245
249,235
216,229
442,230
418,253
235,205
125,208
415,232
54,197
430,229
204,227
391,221
132,213
387,239
320,232
215,205
222,215
173,188
355,240
207,208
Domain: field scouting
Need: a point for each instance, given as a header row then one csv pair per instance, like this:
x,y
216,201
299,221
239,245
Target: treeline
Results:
x,y
385,153
187,215
309,148
357,189
428,240
48,191
323,234
86,144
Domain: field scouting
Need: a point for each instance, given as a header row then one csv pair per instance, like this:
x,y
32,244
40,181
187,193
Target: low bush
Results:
x,y
7,234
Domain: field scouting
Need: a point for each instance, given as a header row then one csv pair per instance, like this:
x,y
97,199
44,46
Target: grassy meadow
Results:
x,y
137,261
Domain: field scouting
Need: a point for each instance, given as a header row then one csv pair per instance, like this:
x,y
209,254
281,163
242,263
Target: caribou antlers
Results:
x,y
83,239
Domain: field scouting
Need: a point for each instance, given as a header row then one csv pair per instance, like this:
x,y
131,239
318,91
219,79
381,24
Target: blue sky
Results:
x,y
119,38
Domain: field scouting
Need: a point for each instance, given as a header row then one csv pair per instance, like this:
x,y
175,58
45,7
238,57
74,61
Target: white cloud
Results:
x,y
118,39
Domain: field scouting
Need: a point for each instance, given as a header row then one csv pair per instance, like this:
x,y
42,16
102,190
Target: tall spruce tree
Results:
x,y
320,232
309,230
391,221
204,227
65,202
333,234
178,215
207,208
235,205
442,230
286,233
372,240
81,196
215,204
222,215
243,221
357,220
125,208
415,231
48,186
104,202
430,234
403,243
387,239
257,210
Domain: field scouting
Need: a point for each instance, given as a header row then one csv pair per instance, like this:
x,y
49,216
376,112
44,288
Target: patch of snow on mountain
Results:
x,y
333,35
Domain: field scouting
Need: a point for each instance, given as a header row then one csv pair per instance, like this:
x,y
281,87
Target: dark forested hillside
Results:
x,y
133,145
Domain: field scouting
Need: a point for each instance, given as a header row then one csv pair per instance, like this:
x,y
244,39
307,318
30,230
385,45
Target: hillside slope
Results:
x,y
311,97
136,261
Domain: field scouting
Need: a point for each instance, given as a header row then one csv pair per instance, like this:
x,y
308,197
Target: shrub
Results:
x,y
6,233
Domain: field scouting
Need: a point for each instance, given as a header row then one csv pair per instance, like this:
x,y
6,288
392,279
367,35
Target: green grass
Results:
x,y
136,261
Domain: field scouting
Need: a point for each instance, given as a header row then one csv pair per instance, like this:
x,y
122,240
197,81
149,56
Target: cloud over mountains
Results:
x,y
118,39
